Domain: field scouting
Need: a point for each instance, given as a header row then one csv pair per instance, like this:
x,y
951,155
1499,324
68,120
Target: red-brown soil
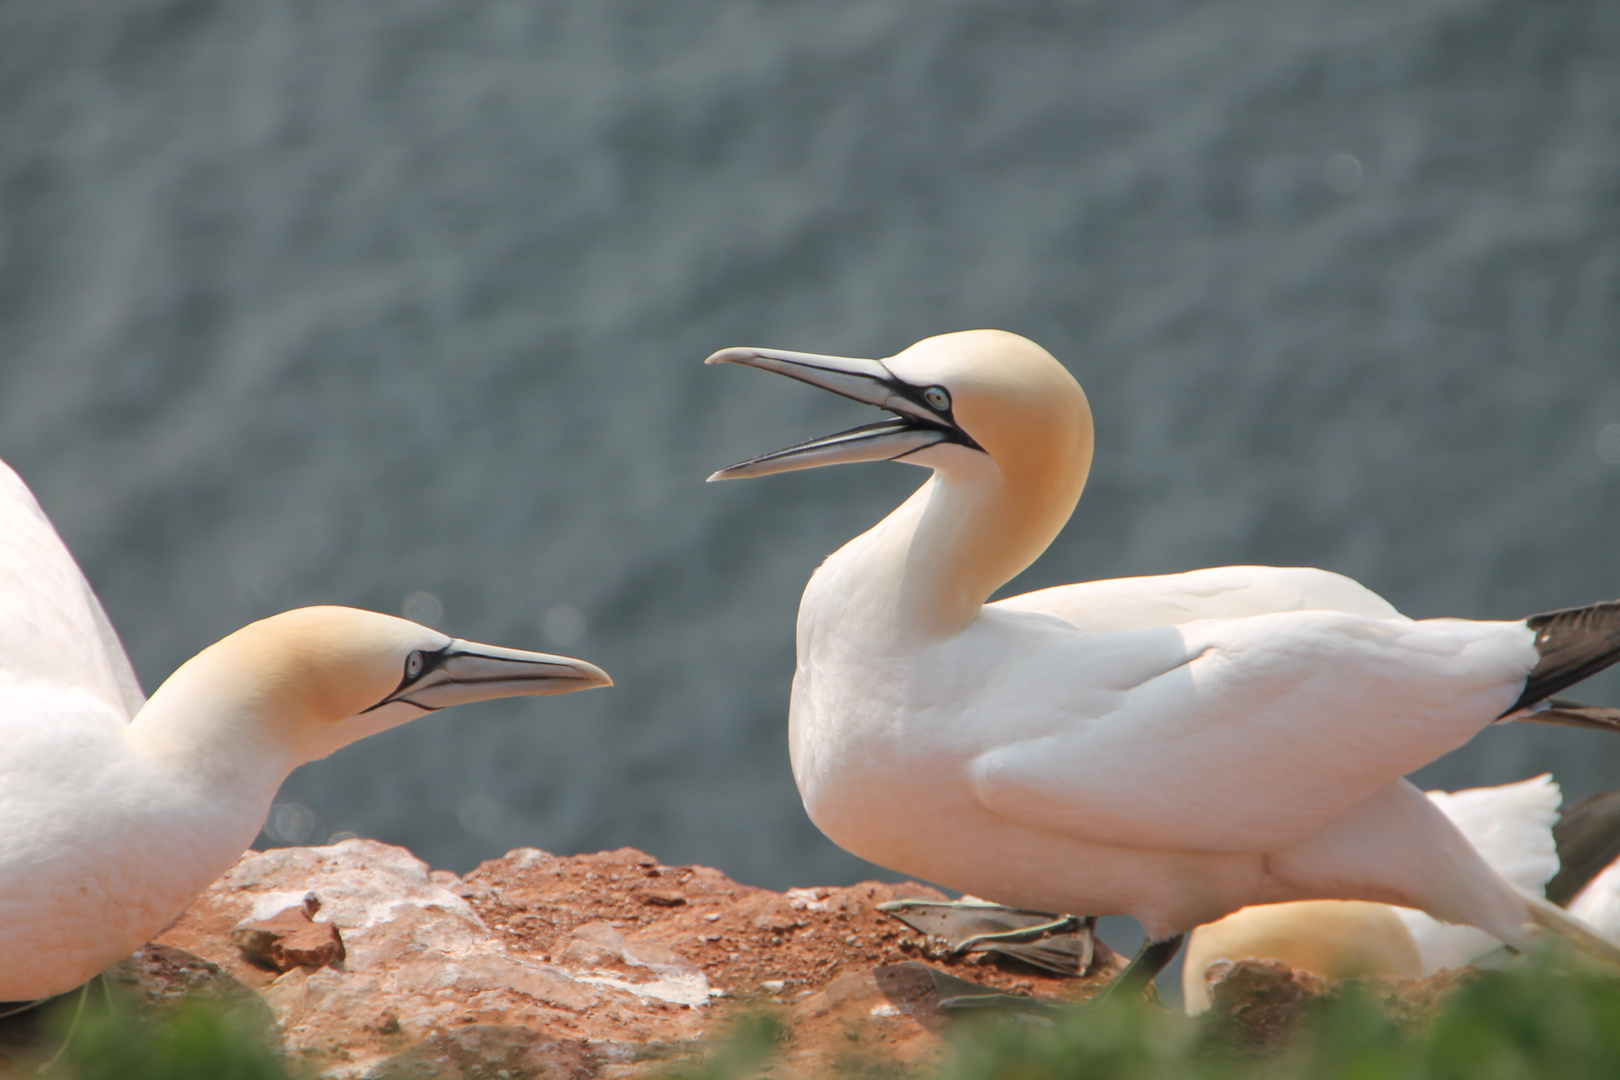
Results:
x,y
590,965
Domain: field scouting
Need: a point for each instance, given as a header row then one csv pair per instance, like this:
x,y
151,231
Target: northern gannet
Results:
x,y
115,813
1511,825
1172,748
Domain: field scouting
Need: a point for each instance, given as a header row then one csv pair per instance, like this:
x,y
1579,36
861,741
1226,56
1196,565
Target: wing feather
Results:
x,y
53,630
1269,728
1221,592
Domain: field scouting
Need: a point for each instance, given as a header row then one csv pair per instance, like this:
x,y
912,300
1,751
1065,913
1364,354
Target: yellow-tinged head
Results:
x,y
1011,397
299,685
1341,939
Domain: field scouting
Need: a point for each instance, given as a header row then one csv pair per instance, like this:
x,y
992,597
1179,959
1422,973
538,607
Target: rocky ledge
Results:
x,y
606,965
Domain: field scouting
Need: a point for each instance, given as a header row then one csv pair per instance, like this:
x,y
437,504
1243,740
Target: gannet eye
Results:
x,y
414,664
937,398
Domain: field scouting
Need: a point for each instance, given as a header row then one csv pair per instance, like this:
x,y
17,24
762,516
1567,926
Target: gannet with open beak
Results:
x,y
1171,748
114,814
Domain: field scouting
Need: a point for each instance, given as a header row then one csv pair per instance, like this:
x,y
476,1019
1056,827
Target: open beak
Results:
x,y
465,671
917,423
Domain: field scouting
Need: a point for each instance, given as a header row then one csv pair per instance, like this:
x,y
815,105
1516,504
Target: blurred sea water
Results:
x,y
403,306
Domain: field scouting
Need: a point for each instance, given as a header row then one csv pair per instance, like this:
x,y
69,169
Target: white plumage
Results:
x,y
1510,825
1598,904
1173,748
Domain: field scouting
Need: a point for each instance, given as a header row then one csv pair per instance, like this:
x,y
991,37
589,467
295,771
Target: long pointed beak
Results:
x,y
467,671
917,425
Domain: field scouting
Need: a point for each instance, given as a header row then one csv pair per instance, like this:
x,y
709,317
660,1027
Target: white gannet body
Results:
x,y
1510,825
114,814
1171,748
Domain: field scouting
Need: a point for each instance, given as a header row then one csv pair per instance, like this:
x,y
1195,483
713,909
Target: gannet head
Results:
x,y
958,400
1341,939
301,684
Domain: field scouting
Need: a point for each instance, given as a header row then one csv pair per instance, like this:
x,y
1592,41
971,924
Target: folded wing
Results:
x,y
1266,729
1221,592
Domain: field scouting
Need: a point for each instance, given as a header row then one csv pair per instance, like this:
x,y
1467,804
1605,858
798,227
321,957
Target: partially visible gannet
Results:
x,y
1172,748
1510,825
1588,882
115,814
1340,939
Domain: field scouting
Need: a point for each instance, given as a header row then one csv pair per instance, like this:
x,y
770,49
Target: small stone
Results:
x,y
661,897
287,940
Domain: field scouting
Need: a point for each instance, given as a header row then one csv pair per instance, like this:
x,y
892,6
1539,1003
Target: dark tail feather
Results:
x,y
1574,714
1574,644
1588,839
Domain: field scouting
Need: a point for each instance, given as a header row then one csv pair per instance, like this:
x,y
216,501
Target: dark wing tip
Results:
x,y
1575,644
1588,839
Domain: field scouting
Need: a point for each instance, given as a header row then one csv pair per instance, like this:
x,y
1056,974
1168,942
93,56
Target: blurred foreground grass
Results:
x,y
1506,1025
104,1036
1538,1024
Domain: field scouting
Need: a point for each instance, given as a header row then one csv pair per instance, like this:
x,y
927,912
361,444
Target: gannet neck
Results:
x,y
292,688
976,533
221,720
927,569
940,555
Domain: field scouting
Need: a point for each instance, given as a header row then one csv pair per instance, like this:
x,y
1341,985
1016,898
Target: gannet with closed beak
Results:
x,y
114,814
1172,748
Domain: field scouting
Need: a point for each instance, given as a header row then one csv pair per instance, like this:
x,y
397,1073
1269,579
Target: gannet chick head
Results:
x,y
961,402
301,684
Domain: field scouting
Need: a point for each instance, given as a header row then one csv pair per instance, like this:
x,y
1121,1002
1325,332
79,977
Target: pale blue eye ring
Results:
x,y
937,399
